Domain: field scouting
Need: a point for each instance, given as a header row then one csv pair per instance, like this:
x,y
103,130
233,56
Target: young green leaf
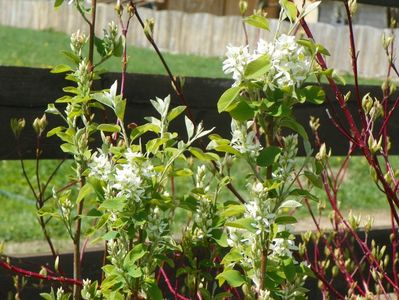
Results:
x,y
233,277
258,67
257,21
268,156
109,127
226,101
61,69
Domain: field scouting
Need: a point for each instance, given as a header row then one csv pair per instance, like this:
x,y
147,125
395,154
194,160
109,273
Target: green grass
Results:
x,y
30,48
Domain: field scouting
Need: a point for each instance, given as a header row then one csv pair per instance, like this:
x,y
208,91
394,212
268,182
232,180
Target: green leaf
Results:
x,y
220,237
285,220
314,179
84,191
68,148
289,269
110,235
242,112
134,272
226,101
153,292
203,156
313,94
175,112
258,67
289,9
244,223
227,149
233,256
109,127
303,193
100,46
103,99
233,210
58,3
268,156
118,48
290,204
140,130
55,131
120,107
295,126
233,277
189,127
61,69
94,213
71,56
257,21
135,254
113,204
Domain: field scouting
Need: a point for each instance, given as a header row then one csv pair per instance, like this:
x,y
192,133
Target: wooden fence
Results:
x,y
202,34
25,92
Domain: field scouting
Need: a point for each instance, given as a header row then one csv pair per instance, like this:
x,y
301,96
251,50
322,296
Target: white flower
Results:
x,y
244,139
236,61
128,182
100,166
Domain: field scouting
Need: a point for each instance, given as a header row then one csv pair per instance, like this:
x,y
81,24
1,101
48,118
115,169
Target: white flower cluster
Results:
x,y
204,213
250,245
127,179
290,62
244,139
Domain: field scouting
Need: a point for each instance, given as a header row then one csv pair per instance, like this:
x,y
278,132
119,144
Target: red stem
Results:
x,y
170,287
27,273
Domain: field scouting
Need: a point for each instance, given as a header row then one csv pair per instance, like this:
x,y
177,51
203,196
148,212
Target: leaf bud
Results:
x,y
347,97
56,263
352,6
149,27
386,41
40,124
314,123
119,7
334,271
386,261
374,146
17,125
322,154
369,224
243,6
367,103
131,9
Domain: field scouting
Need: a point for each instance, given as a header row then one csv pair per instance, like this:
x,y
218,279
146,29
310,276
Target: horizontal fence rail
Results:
x,y
25,92
388,3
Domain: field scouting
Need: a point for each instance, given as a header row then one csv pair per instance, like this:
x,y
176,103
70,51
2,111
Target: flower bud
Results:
x,y
17,125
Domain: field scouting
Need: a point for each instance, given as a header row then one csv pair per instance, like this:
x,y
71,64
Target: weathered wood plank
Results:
x,y
25,92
